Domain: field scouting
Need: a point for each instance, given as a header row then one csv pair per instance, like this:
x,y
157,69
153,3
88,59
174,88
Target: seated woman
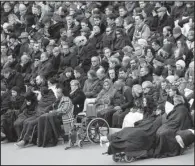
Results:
x,y
91,88
178,119
134,141
117,100
8,118
103,99
77,97
136,113
27,110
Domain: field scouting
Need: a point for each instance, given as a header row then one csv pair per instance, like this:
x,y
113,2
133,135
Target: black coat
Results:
x,y
85,54
69,60
178,119
15,79
166,21
77,98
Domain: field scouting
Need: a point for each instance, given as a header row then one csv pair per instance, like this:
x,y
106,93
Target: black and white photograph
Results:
x,y
97,82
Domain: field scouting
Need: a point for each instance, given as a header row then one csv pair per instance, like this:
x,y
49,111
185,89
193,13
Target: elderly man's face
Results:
x,y
94,61
22,11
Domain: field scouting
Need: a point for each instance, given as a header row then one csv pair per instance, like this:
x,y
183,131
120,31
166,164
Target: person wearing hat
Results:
x,y
163,19
8,118
24,43
77,97
27,110
180,68
80,76
178,36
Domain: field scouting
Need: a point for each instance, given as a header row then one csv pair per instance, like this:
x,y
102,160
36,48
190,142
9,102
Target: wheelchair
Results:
x,y
89,129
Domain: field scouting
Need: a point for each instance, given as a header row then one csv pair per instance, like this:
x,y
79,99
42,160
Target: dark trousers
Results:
x,y
18,124
118,117
28,128
107,115
48,129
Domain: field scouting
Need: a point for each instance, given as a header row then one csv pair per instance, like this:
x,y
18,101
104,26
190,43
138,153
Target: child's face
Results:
x,y
68,74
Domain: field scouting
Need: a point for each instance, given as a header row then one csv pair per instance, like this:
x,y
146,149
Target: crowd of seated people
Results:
x,y
131,60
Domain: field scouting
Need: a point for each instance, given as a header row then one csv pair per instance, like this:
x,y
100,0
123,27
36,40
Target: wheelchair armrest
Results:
x,y
82,114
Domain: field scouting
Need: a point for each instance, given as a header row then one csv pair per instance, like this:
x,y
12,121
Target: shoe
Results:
x,y
66,138
180,141
20,144
103,140
4,141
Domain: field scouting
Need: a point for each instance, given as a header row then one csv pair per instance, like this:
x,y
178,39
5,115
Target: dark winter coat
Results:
x,y
77,98
178,119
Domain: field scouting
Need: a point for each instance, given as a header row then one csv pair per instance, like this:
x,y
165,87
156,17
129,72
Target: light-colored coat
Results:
x,y
65,108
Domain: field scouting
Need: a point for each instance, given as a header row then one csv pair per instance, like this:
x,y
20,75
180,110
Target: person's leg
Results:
x,y
40,129
18,125
121,117
109,115
115,119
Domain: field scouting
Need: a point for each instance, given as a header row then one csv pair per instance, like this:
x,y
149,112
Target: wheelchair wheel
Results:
x,y
129,159
116,158
96,128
